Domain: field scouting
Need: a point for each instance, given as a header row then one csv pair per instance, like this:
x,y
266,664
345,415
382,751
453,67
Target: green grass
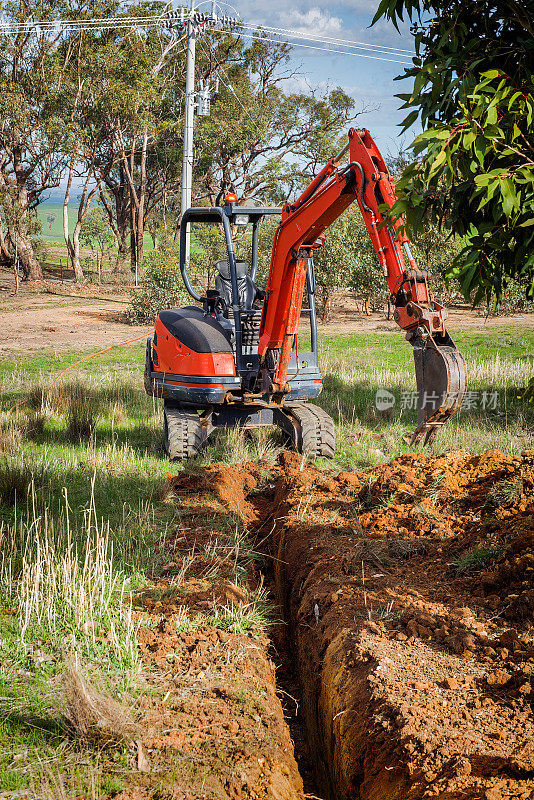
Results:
x,y
505,493
51,217
357,365
478,558
111,474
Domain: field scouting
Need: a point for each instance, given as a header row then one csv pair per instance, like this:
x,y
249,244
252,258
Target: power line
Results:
x,y
329,39
132,21
325,49
98,22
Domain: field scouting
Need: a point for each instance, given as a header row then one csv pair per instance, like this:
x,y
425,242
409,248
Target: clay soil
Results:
x,y
408,596
212,723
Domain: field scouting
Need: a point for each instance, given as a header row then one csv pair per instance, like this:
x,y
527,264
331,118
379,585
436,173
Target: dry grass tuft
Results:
x,y
95,716
77,401
15,480
81,424
12,437
36,397
164,492
35,426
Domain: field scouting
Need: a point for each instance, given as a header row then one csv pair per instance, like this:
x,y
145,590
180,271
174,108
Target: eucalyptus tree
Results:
x,y
35,131
260,140
137,77
473,91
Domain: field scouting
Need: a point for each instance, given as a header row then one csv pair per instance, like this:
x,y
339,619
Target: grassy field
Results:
x,y
84,512
51,217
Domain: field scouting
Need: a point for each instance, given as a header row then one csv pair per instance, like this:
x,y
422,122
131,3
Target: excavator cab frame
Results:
x,y
304,376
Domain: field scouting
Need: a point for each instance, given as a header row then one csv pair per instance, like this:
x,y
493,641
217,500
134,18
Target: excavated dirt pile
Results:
x,y
409,596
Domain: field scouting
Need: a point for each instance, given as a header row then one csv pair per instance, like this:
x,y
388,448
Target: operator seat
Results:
x,y
247,290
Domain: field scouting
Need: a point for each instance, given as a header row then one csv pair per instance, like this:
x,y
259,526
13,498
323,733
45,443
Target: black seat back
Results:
x,y
246,288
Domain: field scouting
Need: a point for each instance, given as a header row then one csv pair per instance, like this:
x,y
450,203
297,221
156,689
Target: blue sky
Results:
x,y
370,82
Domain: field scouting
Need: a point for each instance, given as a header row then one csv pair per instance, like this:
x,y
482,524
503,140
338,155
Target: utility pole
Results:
x,y
195,22
187,158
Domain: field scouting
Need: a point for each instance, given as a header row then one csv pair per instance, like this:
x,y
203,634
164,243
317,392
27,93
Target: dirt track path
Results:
x,y
39,321
49,322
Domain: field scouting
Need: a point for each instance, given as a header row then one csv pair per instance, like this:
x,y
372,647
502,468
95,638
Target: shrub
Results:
x,y
161,287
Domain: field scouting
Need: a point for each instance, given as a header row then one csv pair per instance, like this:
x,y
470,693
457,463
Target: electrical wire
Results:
x,y
98,22
102,23
326,49
330,39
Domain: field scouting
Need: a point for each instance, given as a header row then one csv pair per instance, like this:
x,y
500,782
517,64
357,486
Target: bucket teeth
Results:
x,y
441,377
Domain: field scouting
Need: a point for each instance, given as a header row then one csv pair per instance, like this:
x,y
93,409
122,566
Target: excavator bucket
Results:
x,y
441,378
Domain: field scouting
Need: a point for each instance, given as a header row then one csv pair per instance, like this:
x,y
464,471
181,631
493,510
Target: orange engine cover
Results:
x,y
191,346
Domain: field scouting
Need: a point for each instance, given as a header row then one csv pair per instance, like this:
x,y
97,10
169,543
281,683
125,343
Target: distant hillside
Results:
x,y
51,215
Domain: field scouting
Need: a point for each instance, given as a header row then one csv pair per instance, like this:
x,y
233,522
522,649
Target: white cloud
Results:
x,y
314,20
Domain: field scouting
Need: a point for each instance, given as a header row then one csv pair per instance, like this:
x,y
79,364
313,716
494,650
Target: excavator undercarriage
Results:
x,y
235,359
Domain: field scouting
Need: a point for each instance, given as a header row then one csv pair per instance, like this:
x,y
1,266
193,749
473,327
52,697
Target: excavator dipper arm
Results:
x,y
440,368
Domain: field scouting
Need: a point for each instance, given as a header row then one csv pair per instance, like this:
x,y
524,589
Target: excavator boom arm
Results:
x,y
439,366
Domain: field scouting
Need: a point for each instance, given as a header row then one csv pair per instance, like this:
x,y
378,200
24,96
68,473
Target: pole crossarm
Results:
x,y
200,20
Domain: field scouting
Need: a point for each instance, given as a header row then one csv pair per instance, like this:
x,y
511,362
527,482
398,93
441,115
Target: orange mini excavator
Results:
x,y
234,359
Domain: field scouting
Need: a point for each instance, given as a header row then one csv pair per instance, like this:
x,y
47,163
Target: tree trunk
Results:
x,y
74,252
118,212
325,303
15,203
133,240
6,259
141,201
122,250
73,245
31,269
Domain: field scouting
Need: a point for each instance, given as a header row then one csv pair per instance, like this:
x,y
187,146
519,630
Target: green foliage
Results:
x,y
96,231
474,170
511,301
161,287
478,557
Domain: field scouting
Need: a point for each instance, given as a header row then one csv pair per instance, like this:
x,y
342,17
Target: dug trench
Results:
x,y
408,598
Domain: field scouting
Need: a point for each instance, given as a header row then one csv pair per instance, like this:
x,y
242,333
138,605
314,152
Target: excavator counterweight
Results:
x,y
235,360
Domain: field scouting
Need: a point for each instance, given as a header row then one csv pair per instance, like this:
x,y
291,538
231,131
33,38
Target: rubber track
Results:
x,y
147,382
183,436
318,432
